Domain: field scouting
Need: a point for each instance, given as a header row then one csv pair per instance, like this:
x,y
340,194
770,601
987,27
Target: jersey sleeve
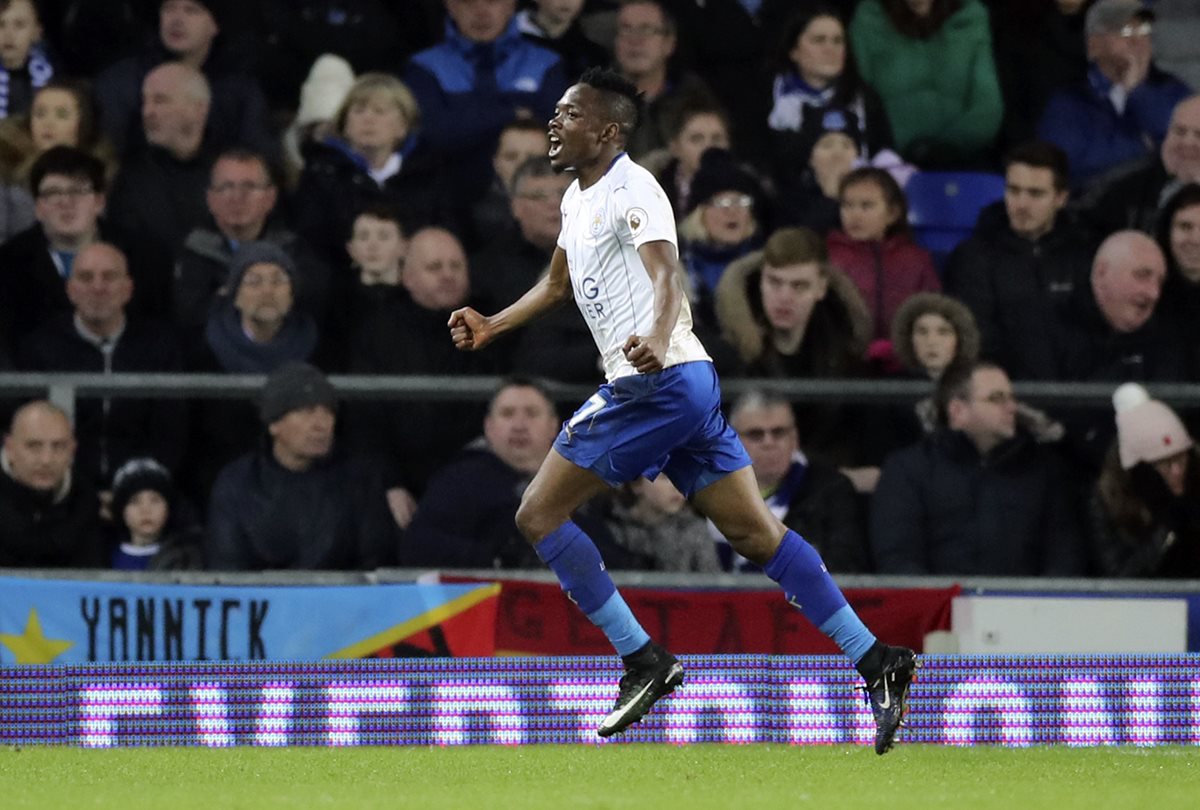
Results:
x,y
642,213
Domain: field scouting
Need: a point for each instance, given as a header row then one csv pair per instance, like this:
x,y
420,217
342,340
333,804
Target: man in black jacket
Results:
x,y
976,497
510,263
159,191
299,501
97,336
1026,256
47,518
467,516
69,186
1132,199
407,336
1108,326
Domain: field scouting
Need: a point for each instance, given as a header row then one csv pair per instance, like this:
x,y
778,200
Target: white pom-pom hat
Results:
x,y
328,82
1147,430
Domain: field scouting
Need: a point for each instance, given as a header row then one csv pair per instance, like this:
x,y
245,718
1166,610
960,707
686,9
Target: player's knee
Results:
x,y
756,543
532,523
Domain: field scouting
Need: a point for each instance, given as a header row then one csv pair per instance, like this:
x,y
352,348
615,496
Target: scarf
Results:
x,y
238,354
40,72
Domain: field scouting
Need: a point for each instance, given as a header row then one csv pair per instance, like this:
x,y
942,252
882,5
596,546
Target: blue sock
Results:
x,y
806,583
573,558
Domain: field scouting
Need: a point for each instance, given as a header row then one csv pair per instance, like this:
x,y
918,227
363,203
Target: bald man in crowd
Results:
x,y
1133,199
1109,329
160,189
403,337
99,336
47,518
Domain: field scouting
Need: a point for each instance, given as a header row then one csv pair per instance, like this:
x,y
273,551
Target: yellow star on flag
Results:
x,y
31,647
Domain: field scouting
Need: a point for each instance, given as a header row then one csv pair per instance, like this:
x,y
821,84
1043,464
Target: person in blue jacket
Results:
x,y
1119,114
483,75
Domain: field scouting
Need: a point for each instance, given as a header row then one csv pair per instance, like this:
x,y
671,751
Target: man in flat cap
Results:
x,y
1120,113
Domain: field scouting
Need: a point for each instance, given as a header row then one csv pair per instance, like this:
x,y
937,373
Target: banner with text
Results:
x,y
46,621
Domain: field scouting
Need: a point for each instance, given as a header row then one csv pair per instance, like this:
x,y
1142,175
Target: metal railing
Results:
x,y
64,388
638,579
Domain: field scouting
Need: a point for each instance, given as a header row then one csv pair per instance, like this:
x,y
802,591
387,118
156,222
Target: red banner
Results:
x,y
537,619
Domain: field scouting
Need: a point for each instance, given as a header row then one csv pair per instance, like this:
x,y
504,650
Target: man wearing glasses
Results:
x,y
1120,113
810,497
642,52
69,188
241,199
978,496
511,263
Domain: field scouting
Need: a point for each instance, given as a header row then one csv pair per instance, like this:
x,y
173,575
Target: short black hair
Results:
x,y
384,212
955,383
621,97
524,125
521,381
1041,155
244,154
670,24
69,162
758,399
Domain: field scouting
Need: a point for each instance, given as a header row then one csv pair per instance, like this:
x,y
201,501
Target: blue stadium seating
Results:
x,y
943,207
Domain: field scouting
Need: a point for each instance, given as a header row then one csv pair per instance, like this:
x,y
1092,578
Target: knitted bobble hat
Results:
x,y
1147,430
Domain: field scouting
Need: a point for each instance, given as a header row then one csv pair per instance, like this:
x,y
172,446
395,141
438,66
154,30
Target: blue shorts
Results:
x,y
669,421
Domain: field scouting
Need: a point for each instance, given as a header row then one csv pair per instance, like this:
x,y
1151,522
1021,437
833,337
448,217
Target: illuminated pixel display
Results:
x,y
957,700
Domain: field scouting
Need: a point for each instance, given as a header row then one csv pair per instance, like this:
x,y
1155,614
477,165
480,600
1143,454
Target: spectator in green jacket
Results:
x,y
931,61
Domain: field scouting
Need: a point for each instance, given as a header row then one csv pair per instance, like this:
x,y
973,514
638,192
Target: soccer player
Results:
x,y
658,412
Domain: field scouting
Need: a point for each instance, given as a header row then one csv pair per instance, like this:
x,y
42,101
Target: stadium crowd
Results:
x,y
309,187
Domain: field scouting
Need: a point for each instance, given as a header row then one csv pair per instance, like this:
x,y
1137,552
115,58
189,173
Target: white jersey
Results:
x,y
602,228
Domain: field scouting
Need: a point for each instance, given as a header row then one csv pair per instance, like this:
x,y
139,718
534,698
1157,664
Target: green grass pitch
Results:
x,y
611,776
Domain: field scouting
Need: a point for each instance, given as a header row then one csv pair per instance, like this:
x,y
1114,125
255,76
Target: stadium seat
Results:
x,y
943,207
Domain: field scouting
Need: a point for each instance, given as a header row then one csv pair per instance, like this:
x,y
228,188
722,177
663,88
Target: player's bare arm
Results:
x,y
470,330
648,352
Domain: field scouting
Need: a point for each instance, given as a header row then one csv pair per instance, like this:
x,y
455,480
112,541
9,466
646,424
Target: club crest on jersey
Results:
x,y
597,222
636,218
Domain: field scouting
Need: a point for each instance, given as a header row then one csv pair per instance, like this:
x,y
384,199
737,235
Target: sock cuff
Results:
x,y
553,544
779,562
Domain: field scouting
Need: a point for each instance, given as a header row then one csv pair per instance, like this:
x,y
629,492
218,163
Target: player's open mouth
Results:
x,y
555,145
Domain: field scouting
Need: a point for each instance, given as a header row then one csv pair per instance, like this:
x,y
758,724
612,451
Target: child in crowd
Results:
x,y
24,64
376,248
808,192
930,333
874,247
62,114
144,507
